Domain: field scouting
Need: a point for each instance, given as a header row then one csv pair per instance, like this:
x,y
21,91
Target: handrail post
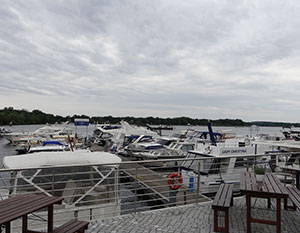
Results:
x,y
135,187
52,181
117,185
198,183
247,164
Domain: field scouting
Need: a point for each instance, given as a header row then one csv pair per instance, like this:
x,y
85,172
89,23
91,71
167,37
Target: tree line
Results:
x,y
9,115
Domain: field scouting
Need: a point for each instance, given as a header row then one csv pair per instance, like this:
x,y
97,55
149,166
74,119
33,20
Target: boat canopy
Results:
x,y
43,159
108,127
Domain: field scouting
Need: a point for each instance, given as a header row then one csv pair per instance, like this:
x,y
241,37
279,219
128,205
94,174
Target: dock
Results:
x,y
156,185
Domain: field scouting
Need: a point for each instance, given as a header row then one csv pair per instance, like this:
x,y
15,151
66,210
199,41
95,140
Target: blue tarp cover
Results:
x,y
52,143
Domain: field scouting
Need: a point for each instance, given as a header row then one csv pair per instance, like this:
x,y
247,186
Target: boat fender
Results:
x,y
175,180
247,142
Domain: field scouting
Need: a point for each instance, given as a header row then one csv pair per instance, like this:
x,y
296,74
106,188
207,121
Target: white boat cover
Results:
x,y
42,159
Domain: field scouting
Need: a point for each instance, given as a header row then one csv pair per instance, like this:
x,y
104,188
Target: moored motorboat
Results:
x,y
223,163
48,171
47,131
86,180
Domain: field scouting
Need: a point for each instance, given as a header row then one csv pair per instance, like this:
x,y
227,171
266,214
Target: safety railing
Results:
x,y
96,191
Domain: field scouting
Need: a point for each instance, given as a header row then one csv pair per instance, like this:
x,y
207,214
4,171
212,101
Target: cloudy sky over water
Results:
x,y
198,58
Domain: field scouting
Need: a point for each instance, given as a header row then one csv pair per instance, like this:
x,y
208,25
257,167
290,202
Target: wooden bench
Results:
x,y
223,200
294,196
72,226
20,206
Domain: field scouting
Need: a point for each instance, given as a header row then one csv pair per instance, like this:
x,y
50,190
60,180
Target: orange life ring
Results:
x,y
175,180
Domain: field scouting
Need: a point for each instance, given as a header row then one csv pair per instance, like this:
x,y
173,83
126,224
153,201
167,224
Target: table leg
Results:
x,y
50,218
24,223
227,221
7,227
285,201
269,203
278,215
216,220
248,203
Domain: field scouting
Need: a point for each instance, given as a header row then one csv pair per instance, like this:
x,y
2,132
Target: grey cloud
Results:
x,y
168,57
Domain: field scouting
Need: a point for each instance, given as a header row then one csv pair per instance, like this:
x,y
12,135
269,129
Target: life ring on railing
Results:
x,y
174,181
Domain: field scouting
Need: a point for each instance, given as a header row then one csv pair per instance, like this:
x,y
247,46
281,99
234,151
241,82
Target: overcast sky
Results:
x,y
163,58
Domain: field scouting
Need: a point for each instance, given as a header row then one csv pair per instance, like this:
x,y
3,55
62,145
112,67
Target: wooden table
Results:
x,y
269,188
294,168
21,205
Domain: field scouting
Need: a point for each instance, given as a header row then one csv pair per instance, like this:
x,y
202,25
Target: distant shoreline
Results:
x,y
11,116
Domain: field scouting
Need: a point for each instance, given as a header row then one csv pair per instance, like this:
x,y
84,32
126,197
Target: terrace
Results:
x,y
196,218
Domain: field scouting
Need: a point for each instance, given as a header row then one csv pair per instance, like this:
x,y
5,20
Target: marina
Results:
x,y
149,116
102,183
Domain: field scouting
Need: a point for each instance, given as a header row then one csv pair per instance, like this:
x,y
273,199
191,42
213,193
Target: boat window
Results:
x,y
184,148
146,140
164,142
132,140
127,141
242,144
187,147
240,162
106,135
178,135
177,146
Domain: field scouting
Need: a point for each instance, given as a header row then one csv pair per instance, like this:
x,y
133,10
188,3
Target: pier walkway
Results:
x,y
156,184
196,218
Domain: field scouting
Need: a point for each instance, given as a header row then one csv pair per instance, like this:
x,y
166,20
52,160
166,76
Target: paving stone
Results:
x,y
197,218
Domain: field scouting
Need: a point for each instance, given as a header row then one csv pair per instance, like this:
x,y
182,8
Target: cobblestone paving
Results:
x,y
197,218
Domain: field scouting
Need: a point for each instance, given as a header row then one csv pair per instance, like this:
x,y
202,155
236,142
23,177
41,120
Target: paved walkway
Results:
x,y
196,218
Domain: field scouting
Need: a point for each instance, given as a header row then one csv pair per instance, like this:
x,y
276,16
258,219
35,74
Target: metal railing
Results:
x,y
96,191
